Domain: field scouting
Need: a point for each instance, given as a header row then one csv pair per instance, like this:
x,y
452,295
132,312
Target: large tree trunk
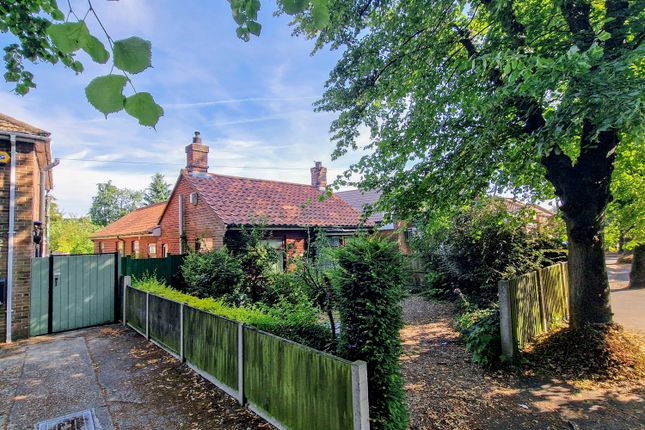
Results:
x,y
589,285
583,188
637,274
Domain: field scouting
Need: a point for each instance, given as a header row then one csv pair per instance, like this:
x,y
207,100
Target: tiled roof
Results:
x,y
239,201
515,205
140,221
358,199
8,123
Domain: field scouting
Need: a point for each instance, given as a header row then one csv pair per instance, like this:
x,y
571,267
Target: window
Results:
x,y
164,250
193,198
277,245
135,247
120,246
101,247
198,244
152,249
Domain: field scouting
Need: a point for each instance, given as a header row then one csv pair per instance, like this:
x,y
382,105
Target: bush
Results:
x,y
482,244
291,322
212,274
370,279
480,331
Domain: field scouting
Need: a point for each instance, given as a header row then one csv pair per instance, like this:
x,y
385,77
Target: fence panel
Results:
x,y
300,387
39,296
525,308
164,322
555,299
135,304
164,269
210,344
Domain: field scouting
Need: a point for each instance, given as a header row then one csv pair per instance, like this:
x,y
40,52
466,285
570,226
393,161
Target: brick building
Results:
x,y
25,178
134,234
206,211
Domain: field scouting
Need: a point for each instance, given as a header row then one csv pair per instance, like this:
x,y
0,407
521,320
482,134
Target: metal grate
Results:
x,y
83,420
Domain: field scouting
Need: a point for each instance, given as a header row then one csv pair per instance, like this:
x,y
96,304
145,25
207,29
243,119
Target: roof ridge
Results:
x,y
258,179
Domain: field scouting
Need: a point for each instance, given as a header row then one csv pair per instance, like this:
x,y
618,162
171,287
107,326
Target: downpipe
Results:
x,y
10,238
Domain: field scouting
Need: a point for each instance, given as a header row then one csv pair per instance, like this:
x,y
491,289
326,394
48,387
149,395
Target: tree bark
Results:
x,y
588,282
637,274
583,188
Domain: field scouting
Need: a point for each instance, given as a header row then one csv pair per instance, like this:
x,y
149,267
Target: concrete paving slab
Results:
x,y
130,384
57,379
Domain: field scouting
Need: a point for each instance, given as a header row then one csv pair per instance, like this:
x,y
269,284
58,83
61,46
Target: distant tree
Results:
x,y
111,203
69,234
72,235
158,190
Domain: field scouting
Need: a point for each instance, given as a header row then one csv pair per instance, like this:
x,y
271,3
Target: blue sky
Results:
x,y
252,102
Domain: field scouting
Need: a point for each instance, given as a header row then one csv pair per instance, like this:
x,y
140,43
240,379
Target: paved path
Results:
x,y
128,382
628,304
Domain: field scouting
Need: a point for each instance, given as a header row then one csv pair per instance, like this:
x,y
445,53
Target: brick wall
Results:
x,y
27,197
200,222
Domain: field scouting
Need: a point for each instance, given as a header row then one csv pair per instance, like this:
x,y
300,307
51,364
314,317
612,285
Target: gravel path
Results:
x,y
446,391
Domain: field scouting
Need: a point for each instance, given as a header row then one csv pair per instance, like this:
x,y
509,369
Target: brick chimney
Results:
x,y
197,156
319,176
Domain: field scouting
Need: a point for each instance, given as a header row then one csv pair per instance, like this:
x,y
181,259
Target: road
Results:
x,y
628,304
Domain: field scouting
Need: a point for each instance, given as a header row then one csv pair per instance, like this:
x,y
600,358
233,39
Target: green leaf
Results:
x,y
105,93
254,27
57,15
132,55
320,13
143,107
96,50
293,7
68,37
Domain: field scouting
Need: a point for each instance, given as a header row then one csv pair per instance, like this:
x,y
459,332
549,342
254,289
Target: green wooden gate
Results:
x,y
73,291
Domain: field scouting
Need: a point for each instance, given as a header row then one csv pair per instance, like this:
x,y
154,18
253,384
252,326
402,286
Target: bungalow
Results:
x,y
207,211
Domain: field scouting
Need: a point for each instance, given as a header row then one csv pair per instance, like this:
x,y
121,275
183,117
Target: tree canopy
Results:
x,y
111,203
68,234
531,97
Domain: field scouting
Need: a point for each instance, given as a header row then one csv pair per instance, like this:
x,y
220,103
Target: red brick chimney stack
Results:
x,y
319,176
197,155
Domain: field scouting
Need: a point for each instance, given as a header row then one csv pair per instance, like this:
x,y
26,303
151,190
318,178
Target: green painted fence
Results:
x,y
301,387
79,290
532,304
165,269
290,385
212,346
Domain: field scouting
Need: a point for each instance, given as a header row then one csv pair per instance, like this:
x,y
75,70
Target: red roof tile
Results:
x,y
8,123
140,221
240,201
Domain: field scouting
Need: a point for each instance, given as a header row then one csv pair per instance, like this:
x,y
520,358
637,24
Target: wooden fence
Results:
x,y
532,304
290,385
165,269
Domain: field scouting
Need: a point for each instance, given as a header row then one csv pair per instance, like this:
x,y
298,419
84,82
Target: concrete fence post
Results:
x,y
360,399
505,319
181,333
127,282
240,363
147,316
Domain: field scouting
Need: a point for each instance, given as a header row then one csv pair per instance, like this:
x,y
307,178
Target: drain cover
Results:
x,y
83,420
